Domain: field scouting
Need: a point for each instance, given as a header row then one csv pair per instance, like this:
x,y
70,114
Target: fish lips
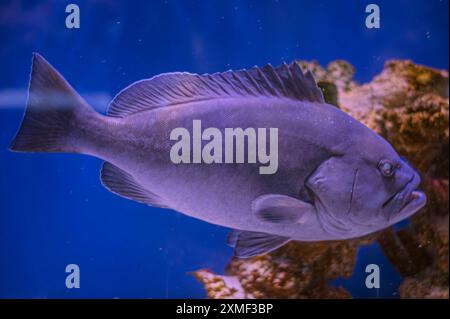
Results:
x,y
404,203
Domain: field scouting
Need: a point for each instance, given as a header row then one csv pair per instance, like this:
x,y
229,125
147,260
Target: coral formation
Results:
x,y
408,105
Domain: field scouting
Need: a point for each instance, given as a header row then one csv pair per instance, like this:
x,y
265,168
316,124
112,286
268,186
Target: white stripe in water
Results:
x,y
15,98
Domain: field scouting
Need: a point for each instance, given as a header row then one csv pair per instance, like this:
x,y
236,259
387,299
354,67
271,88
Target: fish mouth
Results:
x,y
405,202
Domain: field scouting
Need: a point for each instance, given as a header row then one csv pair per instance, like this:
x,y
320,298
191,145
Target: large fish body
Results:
x,y
336,179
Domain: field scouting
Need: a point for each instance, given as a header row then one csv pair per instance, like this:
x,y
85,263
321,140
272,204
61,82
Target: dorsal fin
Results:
x,y
178,88
123,184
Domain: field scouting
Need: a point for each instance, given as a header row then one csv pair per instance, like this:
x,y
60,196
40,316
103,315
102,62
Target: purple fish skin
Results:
x,y
329,184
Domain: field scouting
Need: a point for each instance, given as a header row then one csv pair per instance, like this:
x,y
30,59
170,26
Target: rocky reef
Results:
x,y
407,104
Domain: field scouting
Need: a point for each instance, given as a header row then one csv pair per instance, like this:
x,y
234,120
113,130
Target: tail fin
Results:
x,y
53,110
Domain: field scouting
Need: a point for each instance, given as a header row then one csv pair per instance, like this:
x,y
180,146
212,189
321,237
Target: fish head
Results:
x,y
368,188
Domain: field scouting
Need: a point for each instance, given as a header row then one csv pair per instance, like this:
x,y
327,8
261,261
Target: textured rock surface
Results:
x,y
408,105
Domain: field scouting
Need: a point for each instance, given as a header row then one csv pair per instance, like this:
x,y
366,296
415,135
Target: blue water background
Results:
x,y
53,209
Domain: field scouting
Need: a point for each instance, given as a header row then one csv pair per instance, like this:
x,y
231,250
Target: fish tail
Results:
x,y
54,112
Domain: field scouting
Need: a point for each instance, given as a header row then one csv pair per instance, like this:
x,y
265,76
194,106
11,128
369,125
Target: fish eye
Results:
x,y
386,168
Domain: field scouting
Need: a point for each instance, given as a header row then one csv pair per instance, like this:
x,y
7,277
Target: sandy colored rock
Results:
x,y
221,287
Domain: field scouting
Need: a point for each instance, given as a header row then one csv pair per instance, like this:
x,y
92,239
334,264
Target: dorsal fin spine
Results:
x,y
221,86
213,81
171,92
236,83
266,82
252,80
205,83
298,76
187,89
246,87
280,80
294,83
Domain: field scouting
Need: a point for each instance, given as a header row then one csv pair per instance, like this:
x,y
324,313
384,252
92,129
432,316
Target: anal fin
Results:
x,y
248,244
123,184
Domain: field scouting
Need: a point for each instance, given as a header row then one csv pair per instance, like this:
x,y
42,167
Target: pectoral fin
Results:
x,y
248,244
281,209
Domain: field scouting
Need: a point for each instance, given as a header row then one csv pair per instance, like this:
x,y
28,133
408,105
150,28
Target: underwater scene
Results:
x,y
238,149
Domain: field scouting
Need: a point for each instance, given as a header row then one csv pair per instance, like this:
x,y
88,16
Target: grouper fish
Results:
x,y
336,179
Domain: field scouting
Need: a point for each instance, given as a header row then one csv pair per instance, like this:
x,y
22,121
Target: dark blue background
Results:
x,y
53,209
